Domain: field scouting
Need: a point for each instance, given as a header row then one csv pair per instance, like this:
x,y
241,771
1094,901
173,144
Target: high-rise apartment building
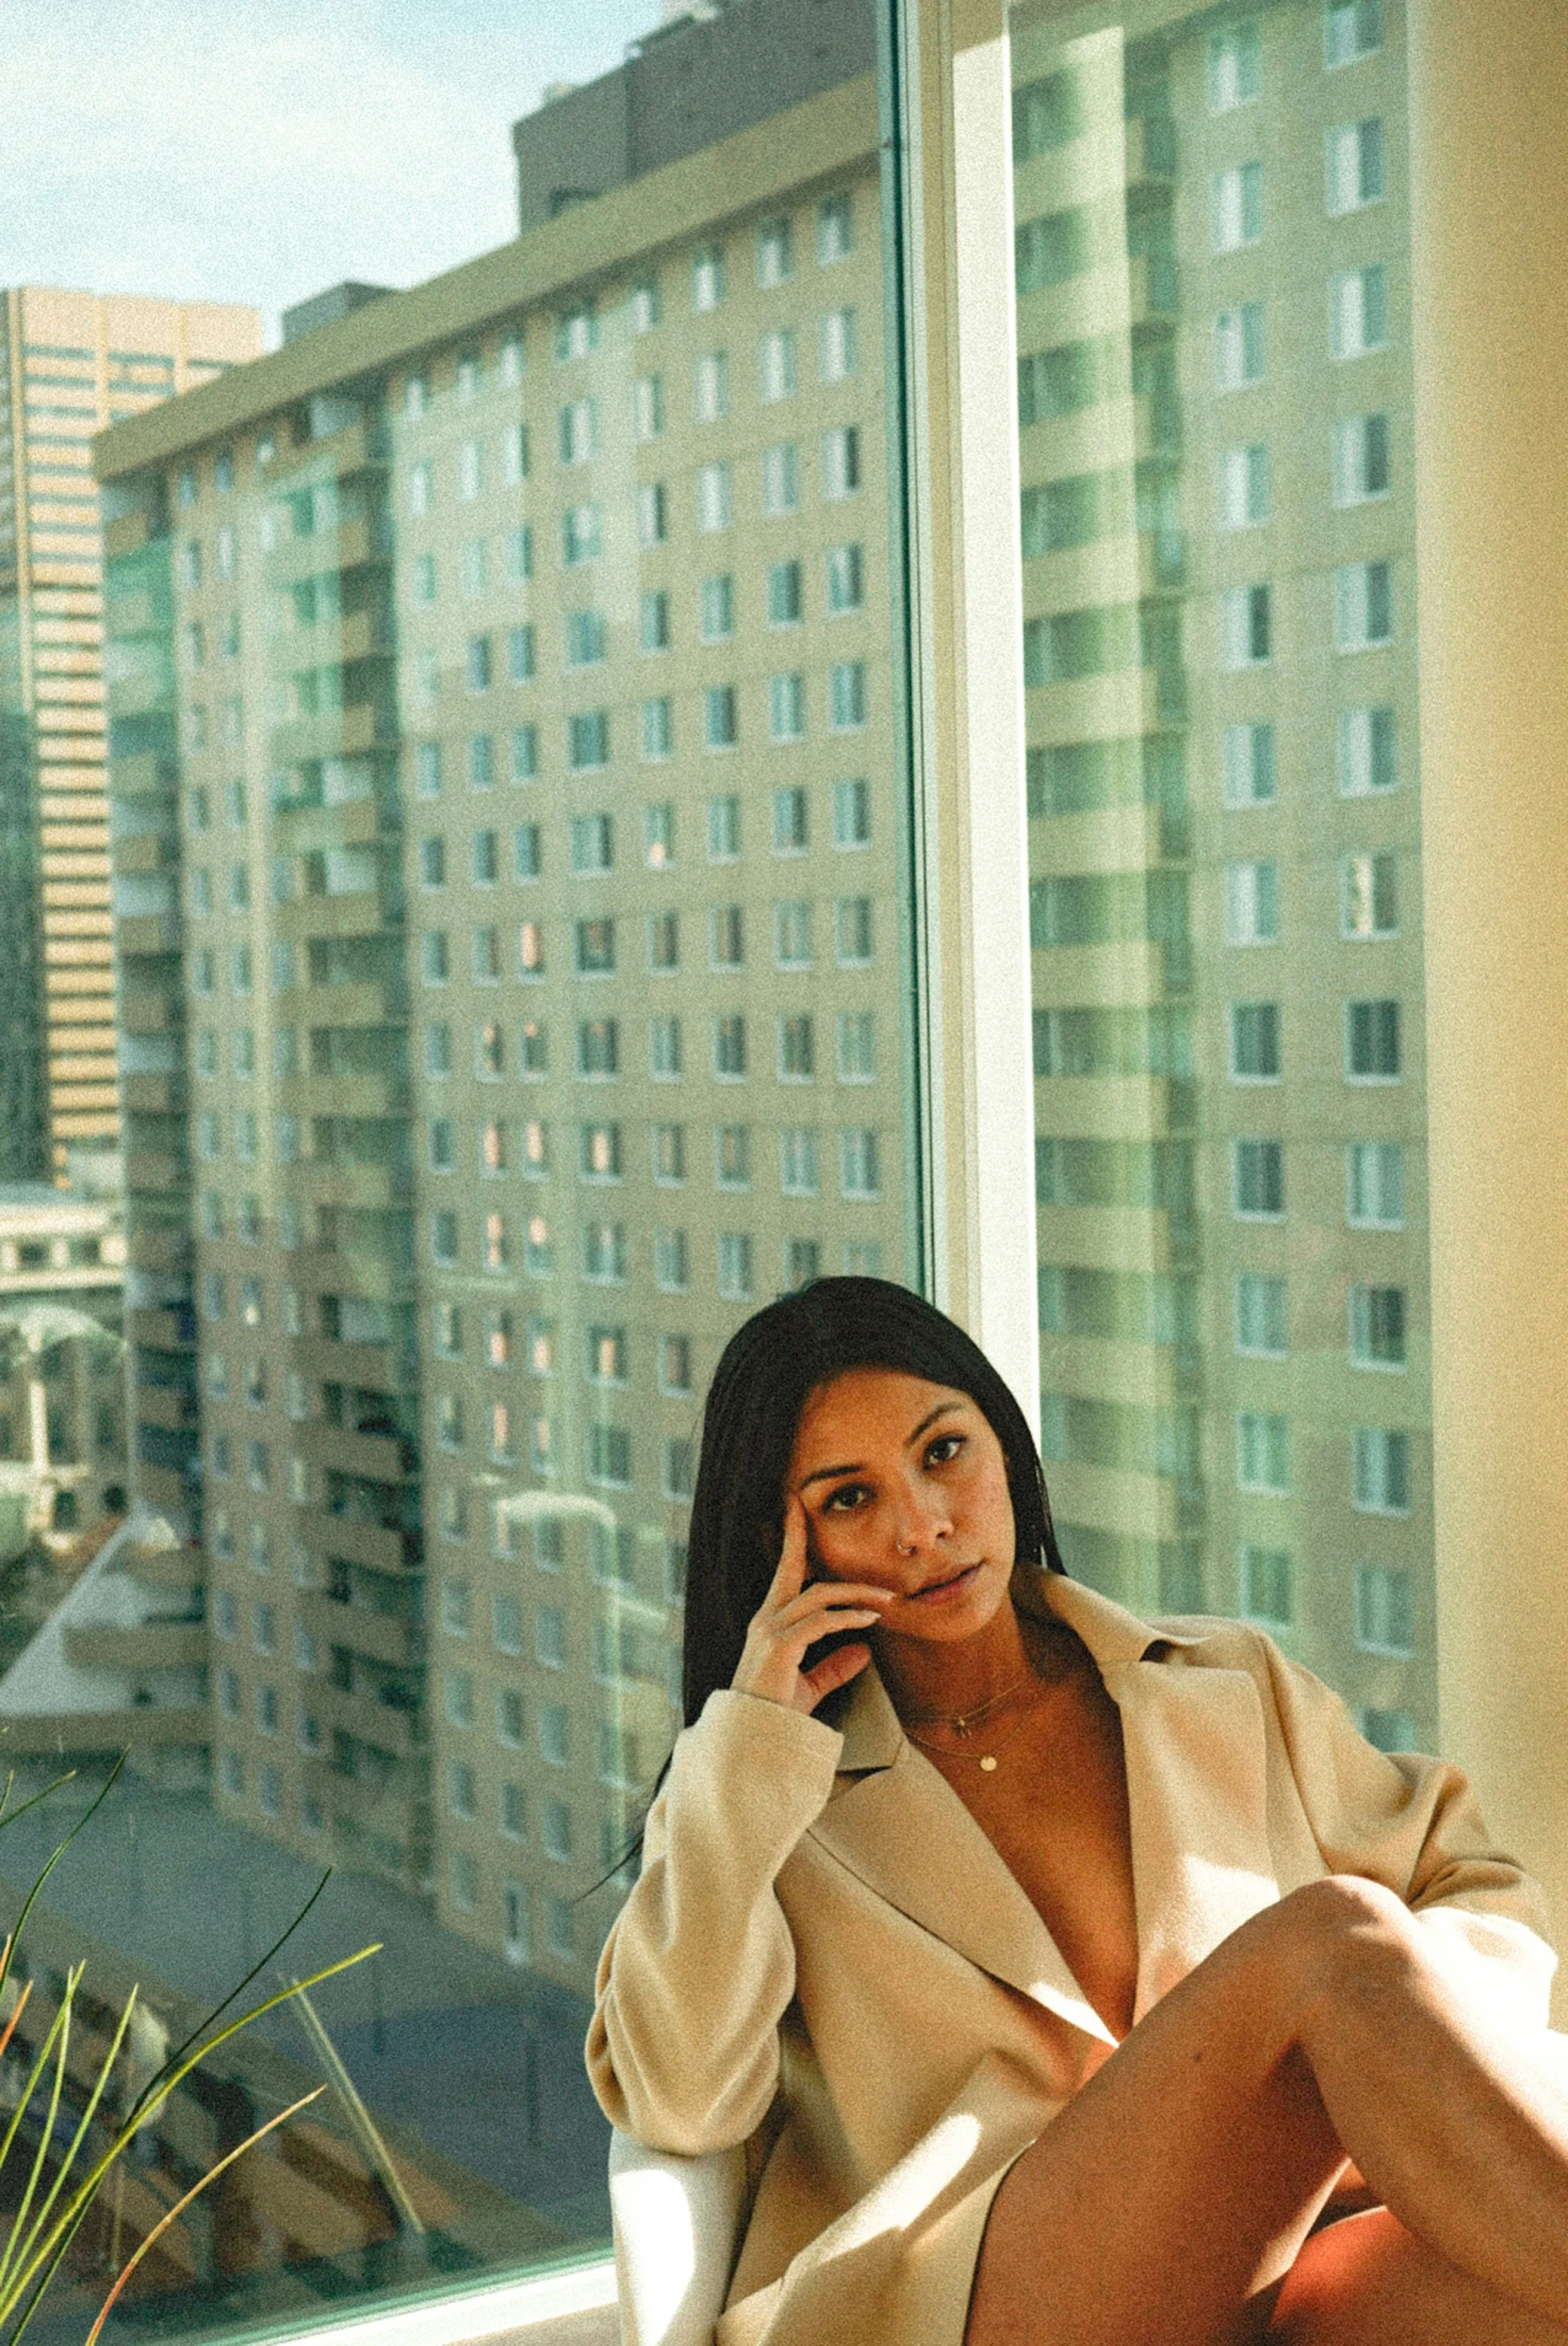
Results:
x,y
502,748
70,363
1217,538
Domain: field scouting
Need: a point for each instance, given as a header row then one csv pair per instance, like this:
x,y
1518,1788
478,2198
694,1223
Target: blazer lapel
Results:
x,y
902,1830
1197,1776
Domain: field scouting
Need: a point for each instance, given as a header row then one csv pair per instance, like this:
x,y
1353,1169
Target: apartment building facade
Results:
x,y
1218,563
70,363
511,1000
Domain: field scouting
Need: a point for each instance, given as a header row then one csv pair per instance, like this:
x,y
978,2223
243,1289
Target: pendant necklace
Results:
x,y
962,1722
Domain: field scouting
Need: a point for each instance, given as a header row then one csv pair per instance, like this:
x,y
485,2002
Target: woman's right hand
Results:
x,y
793,1614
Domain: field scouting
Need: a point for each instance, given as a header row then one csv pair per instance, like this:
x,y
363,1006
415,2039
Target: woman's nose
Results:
x,y
920,1519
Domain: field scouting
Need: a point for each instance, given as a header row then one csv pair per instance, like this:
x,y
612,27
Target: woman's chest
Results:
x,y
1055,1810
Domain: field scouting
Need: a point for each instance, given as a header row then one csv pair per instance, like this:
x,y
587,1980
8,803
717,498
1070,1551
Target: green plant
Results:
x,y
53,2207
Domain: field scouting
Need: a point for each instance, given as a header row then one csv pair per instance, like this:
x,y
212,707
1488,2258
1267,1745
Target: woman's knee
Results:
x,y
1351,1937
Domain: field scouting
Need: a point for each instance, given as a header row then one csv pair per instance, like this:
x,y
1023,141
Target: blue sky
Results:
x,y
221,150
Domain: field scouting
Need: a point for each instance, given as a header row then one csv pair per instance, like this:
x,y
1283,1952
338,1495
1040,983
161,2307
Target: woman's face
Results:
x,y
904,1485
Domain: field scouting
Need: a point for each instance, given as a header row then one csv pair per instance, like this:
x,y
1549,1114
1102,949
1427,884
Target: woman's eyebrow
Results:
x,y
826,1474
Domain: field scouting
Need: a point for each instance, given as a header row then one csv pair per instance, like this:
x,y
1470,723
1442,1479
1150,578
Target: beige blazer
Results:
x,y
825,1958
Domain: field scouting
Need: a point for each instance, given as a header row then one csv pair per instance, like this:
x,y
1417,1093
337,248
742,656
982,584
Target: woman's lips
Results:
x,y
940,1592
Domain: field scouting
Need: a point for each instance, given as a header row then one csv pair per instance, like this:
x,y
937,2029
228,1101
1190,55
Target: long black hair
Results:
x,y
768,1370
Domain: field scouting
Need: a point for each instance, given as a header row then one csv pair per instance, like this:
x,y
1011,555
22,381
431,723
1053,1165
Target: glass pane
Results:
x,y
1214,418
509,944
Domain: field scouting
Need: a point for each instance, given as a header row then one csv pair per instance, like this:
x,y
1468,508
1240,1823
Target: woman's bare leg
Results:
x,y
1179,2186
1369,2282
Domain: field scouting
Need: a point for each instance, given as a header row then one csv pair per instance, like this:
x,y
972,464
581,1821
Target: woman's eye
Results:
x,y
944,1449
841,1501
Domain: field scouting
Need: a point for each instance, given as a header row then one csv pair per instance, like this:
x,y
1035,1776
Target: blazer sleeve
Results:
x,y
1415,1825
699,1967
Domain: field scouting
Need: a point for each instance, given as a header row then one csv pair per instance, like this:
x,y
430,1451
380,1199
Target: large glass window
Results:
x,y
1214,425
547,1068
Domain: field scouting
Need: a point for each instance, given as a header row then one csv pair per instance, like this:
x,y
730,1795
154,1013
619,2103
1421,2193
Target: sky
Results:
x,y
261,150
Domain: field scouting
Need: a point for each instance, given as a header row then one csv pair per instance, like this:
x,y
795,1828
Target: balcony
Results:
x,y
384,1550
360,447
378,1458
305,917
394,1639
153,1095
351,732
354,635
155,1645
139,934
346,1096
349,547
150,1172
163,1330
168,1407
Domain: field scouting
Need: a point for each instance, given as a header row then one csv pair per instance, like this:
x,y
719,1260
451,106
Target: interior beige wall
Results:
x,y
1489,134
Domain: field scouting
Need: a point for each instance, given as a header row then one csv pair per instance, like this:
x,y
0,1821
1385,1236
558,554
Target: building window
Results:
x,y
1358,311
1375,1184
787,706
1267,1586
1243,486
734,1265
1372,1041
1236,207
588,741
1235,67
1369,901
1251,904
1366,752
847,696
1378,1334
789,822
1384,1611
798,1160
1254,1043
859,1165
1247,762
775,255
671,1269
1379,1471
721,717
712,498
730,1047
1259,1181
1246,626
1260,1314
851,815
658,730
708,277
1363,606
1354,165
840,461
781,479
835,230
732,1157
775,366
1361,459
836,346
724,830
1263,1452
1238,347
846,579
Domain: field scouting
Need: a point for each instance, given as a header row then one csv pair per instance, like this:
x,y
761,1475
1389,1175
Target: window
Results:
x,y
670,1270
588,639
789,822
1375,1184
732,1157
798,1160
851,931
1263,1452
784,605
648,406
1243,486
580,535
1254,1043
781,479
1377,1328
659,835
653,622
1363,606
835,230
1246,626
715,607
653,514
579,431
593,843
1260,1314
1236,207
734,1265
730,1047
840,461
1372,1041
775,253
710,387
1259,1181
668,1154
712,498
1238,347
1366,755
597,1047
588,741
1234,68
721,717
1352,29
1354,165
792,933
847,696
846,580
1251,904
836,346
725,936
851,815
1247,764
1361,465
1369,897
708,277
856,1047
1358,311
1268,1593
643,306
858,1163
527,854
1384,1611
1379,1471
658,718
796,1051
724,830
787,706
776,365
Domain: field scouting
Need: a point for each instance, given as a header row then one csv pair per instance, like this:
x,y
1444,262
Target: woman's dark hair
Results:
x,y
768,1370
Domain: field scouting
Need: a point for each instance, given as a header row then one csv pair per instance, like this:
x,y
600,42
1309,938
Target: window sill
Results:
x,y
572,2306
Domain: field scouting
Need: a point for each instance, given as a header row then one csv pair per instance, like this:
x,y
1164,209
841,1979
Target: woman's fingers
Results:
x,y
789,1578
834,1671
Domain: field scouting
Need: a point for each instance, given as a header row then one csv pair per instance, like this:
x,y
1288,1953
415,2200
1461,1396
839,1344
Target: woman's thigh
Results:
x,y
1178,2184
1369,2282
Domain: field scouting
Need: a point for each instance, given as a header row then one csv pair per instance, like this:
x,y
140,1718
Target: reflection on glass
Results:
x,y
1214,431
506,838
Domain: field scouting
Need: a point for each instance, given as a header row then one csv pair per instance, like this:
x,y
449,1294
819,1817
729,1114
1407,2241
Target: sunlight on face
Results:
x,y
904,1485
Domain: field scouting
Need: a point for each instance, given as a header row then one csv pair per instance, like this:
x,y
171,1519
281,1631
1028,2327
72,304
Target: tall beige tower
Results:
x,y
70,363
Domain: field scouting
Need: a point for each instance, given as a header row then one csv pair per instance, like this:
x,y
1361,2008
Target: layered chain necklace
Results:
x,y
964,1722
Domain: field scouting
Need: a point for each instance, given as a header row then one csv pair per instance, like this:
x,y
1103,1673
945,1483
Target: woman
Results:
x,y
1052,1966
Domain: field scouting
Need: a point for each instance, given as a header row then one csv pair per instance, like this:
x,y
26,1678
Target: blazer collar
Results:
x,y
1195,1758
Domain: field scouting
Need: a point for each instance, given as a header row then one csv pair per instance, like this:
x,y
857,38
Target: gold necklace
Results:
x,y
961,1721
985,1760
